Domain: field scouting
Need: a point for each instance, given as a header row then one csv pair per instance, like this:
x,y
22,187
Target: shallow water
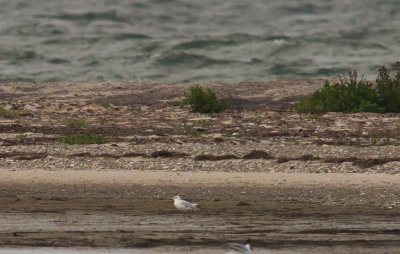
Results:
x,y
178,40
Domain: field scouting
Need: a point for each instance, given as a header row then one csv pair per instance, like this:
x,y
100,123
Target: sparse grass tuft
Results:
x,y
76,123
106,105
83,139
202,123
203,101
227,135
21,136
313,116
382,141
114,137
8,113
386,141
189,132
295,141
256,120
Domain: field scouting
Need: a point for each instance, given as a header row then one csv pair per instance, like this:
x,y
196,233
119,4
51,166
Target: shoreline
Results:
x,y
197,178
259,171
134,209
332,189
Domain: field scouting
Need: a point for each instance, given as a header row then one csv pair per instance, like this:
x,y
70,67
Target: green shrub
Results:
x,y
8,113
389,89
351,95
203,101
83,139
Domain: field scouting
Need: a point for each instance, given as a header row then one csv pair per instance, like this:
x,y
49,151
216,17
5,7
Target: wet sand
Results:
x,y
133,209
199,250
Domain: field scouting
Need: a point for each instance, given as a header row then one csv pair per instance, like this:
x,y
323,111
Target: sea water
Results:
x,y
192,41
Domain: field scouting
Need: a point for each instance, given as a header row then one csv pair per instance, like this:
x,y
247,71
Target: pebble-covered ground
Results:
x,y
263,156
257,133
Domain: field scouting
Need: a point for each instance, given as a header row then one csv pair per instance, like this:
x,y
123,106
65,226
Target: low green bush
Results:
x,y
388,89
8,113
203,101
351,95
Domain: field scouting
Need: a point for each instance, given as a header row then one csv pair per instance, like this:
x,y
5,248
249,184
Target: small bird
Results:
x,y
241,248
183,205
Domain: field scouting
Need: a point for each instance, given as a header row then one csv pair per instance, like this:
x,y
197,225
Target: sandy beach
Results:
x,y
162,185
260,172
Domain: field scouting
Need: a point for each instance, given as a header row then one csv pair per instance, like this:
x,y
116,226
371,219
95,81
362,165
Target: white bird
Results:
x,y
241,248
184,205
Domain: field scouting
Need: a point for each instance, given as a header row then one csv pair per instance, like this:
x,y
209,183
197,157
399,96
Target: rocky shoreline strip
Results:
x,y
250,157
146,130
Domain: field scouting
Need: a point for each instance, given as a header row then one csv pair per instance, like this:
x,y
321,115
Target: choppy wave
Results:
x,y
186,60
86,17
180,41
